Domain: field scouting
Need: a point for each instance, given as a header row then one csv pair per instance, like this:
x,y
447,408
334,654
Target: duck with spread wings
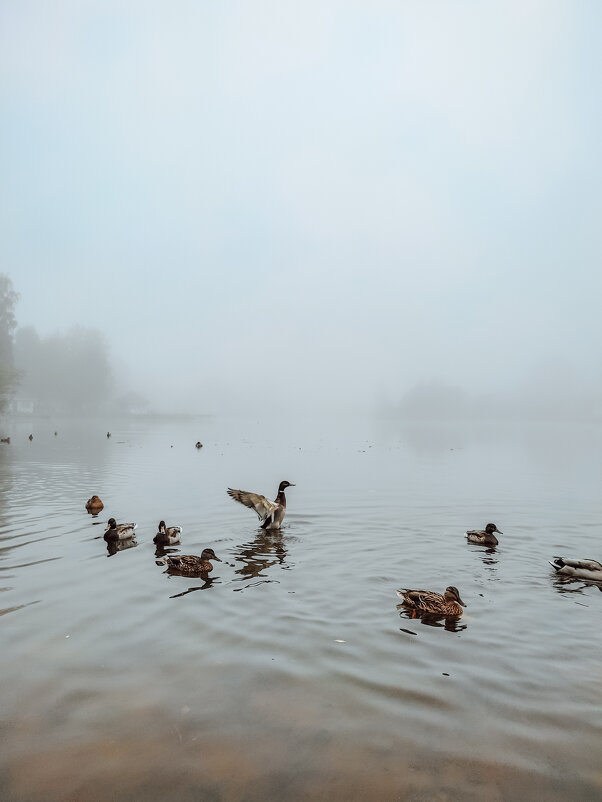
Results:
x,y
270,513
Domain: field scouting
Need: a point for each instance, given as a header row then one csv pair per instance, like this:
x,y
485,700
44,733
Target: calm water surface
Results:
x,y
291,674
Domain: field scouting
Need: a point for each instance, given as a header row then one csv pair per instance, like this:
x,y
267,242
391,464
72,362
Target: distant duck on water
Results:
x,y
115,531
447,604
190,563
484,537
167,535
270,513
198,444
578,569
94,505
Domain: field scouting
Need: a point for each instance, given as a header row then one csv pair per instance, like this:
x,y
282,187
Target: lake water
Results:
x,y
291,674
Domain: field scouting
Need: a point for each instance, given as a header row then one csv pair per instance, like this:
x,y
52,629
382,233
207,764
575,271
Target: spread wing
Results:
x,y
262,506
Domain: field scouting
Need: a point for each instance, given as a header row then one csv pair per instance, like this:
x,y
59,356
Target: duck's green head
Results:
x,y
453,594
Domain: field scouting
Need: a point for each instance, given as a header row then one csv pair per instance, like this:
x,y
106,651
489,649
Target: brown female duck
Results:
x,y
484,537
427,601
190,563
94,505
270,513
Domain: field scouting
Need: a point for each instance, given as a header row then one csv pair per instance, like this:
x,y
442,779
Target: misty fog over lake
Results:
x,y
351,246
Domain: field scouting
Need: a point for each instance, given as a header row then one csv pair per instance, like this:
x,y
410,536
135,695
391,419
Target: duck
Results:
x,y
94,505
447,604
5,440
167,535
115,531
30,438
190,563
108,435
484,537
579,569
270,513
198,444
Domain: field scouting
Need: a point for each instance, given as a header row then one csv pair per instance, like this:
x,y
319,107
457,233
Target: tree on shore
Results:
x,y
8,324
67,372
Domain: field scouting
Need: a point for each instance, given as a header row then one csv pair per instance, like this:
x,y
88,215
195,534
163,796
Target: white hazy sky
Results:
x,y
300,203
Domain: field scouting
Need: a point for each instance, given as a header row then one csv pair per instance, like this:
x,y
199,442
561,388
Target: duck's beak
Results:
x,y
461,602
290,484
215,557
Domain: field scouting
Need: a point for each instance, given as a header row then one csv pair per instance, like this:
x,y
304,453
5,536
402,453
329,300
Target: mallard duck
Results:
x,y
271,513
94,505
484,537
167,535
198,444
427,601
115,531
4,439
190,563
580,569
30,437
108,435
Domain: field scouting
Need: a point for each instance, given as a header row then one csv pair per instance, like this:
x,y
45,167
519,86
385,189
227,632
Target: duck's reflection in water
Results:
x,y
451,624
257,557
113,546
572,584
161,551
208,581
487,553
489,557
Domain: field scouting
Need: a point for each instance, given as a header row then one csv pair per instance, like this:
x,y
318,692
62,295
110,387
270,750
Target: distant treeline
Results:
x,y
59,373
67,372
8,324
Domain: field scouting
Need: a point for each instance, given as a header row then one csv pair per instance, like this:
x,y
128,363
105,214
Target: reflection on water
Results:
x,y
488,555
129,694
208,581
266,550
161,551
113,546
571,584
451,623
